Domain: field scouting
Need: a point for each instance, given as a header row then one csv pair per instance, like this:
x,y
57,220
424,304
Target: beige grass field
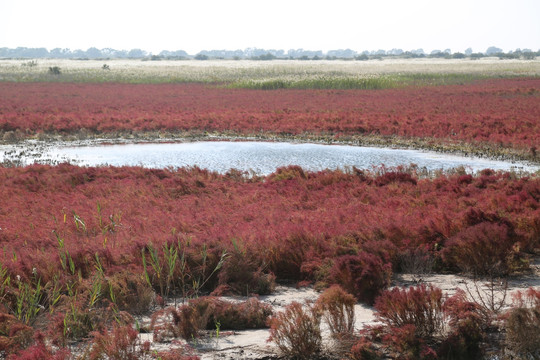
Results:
x,y
238,70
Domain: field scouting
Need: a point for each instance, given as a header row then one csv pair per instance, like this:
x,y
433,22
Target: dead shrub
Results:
x,y
490,296
296,331
186,323
250,314
74,320
523,325
287,173
9,136
418,262
132,293
204,313
523,332
244,275
337,308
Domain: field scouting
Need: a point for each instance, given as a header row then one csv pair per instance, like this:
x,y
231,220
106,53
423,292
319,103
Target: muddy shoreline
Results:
x,y
85,138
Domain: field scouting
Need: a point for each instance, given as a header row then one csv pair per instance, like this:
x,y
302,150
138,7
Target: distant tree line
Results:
x,y
91,53
258,54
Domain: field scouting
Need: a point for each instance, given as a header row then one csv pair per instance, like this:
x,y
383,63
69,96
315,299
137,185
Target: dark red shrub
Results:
x,y
475,216
483,249
403,343
385,249
465,179
420,306
364,349
487,172
186,322
14,335
529,298
40,351
364,275
328,223
467,322
120,343
458,308
530,228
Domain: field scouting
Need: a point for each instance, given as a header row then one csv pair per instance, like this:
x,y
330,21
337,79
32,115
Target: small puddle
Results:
x,y
261,157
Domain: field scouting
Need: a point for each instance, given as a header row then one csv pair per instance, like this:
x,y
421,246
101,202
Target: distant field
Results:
x,y
246,72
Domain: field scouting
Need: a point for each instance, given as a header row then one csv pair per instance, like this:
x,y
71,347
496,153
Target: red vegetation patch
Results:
x,y
484,249
419,306
95,241
418,323
289,228
14,335
487,111
364,275
121,342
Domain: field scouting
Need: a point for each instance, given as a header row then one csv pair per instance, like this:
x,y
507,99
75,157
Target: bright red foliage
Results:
x,y
363,275
65,230
498,111
283,225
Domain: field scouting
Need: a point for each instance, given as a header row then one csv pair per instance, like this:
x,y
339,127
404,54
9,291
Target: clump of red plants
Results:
x,y
80,246
208,313
421,323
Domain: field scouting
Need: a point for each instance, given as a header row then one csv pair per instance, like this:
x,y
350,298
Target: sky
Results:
x,y
156,25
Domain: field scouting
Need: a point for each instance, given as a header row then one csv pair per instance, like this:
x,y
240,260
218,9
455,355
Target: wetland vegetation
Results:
x,y
86,251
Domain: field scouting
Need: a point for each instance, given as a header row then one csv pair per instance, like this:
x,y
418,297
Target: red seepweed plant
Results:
x,y
296,331
72,239
496,111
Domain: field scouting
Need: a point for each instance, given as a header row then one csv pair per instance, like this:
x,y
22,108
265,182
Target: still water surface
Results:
x,y
264,157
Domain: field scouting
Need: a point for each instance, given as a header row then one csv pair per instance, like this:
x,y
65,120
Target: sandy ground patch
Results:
x,y
253,344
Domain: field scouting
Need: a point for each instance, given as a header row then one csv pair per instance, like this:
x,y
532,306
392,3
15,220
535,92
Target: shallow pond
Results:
x,y
261,157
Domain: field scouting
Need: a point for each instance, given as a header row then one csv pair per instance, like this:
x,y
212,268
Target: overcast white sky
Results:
x,y
156,25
